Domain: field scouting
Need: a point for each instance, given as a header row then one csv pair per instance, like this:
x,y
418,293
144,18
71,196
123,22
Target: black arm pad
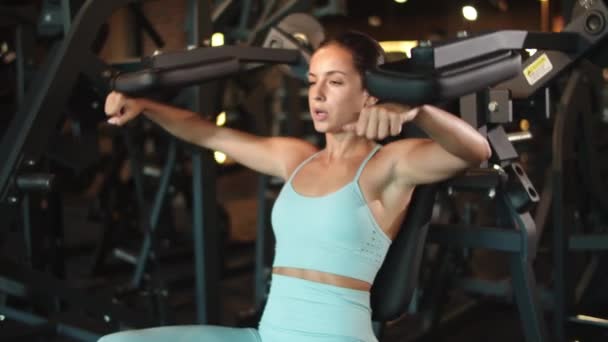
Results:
x,y
429,86
477,76
407,88
247,54
150,80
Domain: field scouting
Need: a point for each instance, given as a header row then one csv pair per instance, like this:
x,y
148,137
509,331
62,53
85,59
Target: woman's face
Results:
x,y
335,94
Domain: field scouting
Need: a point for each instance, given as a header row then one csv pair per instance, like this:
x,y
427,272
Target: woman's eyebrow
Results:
x,y
328,73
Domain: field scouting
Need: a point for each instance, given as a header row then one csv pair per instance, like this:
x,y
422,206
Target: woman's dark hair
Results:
x,y
366,51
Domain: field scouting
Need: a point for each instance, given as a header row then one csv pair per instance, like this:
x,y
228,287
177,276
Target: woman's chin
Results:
x,y
325,127
321,127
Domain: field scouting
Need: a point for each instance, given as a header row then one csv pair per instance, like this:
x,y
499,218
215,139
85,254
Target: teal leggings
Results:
x,y
297,311
185,333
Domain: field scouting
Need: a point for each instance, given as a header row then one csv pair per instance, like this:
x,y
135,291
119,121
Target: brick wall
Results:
x,y
167,17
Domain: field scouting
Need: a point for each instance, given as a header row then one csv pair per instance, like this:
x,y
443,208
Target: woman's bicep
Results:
x,y
273,156
423,161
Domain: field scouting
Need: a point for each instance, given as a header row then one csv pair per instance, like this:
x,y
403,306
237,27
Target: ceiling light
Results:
x,y
403,46
374,21
469,13
531,52
217,39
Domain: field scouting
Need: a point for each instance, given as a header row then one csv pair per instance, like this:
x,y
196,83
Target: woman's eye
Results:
x,y
311,83
335,82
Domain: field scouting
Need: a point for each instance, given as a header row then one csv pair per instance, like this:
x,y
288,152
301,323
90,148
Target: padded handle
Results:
x,y
149,80
473,78
425,86
250,54
408,88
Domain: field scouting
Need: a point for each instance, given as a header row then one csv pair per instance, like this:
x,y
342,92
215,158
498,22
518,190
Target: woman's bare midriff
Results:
x,y
322,277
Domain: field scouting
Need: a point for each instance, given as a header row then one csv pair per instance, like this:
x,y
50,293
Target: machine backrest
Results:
x,y
398,276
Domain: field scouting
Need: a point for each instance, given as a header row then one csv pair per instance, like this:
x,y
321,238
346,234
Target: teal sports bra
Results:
x,y
335,233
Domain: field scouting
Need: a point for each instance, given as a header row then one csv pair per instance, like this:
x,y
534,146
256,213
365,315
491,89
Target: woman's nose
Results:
x,y
317,93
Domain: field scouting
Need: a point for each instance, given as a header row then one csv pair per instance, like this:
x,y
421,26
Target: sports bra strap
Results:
x,y
359,171
302,165
369,156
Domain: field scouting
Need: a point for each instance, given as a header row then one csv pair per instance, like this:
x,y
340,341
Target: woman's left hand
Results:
x,y
381,120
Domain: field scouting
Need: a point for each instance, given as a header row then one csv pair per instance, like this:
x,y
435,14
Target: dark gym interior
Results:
x,y
107,228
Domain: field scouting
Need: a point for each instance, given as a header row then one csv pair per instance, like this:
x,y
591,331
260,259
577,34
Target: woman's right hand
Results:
x,y
121,109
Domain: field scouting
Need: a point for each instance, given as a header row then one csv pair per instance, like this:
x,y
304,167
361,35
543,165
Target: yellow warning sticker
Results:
x,y
538,69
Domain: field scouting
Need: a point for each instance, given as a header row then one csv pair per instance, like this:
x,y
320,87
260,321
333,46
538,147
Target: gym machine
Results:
x,y
505,181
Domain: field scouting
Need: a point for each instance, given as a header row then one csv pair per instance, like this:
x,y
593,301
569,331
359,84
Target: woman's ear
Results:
x,y
370,100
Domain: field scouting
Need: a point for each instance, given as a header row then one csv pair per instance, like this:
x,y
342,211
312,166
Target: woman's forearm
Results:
x,y
453,134
182,123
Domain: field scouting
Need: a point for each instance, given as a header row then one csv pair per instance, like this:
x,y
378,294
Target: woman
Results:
x,y
340,207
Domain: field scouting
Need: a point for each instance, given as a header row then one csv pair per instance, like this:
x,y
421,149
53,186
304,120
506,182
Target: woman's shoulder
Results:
x,y
296,151
389,154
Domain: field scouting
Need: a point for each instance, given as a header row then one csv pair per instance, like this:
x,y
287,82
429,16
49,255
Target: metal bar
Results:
x,y
20,63
588,242
519,136
97,71
146,25
500,288
268,6
477,179
524,224
287,7
204,222
66,15
543,208
559,259
159,200
586,278
61,328
260,280
136,171
12,287
244,17
526,296
434,298
562,146
596,321
27,228
198,210
476,237
219,9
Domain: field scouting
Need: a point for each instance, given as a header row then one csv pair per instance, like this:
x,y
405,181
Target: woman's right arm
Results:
x,y
275,156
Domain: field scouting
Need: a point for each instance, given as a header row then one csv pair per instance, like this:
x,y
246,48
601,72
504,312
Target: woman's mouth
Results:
x,y
319,115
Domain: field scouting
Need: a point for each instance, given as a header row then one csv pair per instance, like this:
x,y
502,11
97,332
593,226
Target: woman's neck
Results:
x,y
345,145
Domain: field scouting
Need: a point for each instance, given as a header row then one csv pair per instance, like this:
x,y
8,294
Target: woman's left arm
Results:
x,y
453,145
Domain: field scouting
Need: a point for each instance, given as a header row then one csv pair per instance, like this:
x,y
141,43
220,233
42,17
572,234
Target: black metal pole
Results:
x,y
204,221
159,200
